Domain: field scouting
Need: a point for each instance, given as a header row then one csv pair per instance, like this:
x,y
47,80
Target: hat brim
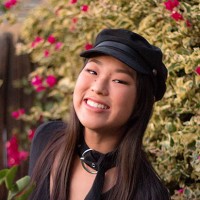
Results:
x,y
132,61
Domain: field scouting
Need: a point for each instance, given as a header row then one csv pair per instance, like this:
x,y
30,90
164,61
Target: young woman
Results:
x,y
99,153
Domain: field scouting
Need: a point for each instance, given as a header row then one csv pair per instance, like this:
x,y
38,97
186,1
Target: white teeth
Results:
x,y
96,105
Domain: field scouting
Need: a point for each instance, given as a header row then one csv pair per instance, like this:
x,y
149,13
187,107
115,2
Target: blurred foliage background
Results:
x,y
56,32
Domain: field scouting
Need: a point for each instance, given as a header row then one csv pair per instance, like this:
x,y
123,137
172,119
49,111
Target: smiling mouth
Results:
x,y
96,105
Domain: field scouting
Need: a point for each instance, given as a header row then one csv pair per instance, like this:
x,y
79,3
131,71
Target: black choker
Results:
x,y
86,160
100,163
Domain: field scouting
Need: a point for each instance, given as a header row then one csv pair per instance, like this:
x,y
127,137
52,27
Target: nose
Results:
x,y
100,86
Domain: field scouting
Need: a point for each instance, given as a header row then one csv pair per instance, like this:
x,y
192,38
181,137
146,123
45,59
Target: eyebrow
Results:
x,y
95,60
125,72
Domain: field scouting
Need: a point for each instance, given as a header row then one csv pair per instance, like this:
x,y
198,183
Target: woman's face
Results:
x,y
105,94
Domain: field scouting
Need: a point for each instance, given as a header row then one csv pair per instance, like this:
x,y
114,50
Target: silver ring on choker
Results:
x,y
84,164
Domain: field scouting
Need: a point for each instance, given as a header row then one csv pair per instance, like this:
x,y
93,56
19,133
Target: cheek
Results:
x,y
80,83
76,93
81,86
126,100
132,101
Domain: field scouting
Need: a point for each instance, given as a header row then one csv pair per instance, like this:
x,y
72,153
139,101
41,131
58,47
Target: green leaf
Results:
x,y
19,190
26,193
171,142
10,177
187,192
23,182
3,173
13,192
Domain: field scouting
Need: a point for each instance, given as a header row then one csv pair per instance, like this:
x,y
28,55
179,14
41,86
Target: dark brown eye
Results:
x,y
120,81
91,71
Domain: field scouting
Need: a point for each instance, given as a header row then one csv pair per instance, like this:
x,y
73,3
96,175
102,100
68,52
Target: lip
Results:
x,y
101,104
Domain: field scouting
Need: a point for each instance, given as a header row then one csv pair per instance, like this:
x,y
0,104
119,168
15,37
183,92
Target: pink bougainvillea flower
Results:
x,y
74,20
51,80
73,1
84,8
23,155
18,113
40,88
188,23
46,53
21,111
7,5
15,114
88,46
171,4
36,80
13,2
180,191
197,70
33,44
12,151
13,160
51,39
14,155
36,41
31,133
176,16
12,145
58,45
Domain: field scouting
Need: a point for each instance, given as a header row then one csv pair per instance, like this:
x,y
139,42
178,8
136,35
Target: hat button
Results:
x,y
154,72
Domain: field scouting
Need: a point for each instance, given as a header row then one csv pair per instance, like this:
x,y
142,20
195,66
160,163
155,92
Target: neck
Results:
x,y
103,142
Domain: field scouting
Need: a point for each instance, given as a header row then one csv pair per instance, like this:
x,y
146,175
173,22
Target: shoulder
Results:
x,y
43,135
47,130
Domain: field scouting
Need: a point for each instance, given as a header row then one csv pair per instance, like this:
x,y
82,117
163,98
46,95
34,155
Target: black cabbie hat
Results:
x,y
135,51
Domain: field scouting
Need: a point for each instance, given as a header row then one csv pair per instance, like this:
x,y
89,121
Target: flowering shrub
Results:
x,y
6,11
10,3
56,33
18,113
14,155
40,84
31,133
177,16
88,46
173,7
171,4
84,8
36,41
198,70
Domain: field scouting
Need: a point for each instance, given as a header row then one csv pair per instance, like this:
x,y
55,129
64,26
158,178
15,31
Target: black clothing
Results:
x,y
100,163
43,135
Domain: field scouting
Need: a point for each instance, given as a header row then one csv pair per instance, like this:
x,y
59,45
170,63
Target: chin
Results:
x,y
93,127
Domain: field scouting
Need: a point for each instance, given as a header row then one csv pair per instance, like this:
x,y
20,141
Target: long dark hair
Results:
x,y
136,179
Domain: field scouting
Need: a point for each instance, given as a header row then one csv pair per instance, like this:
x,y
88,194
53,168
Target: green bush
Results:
x,y
54,35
